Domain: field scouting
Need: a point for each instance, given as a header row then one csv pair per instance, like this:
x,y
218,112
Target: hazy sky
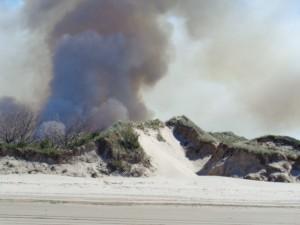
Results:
x,y
233,66
242,74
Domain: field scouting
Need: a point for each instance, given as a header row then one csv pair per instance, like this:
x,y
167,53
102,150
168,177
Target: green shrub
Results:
x,y
185,129
228,137
83,139
154,124
160,138
46,144
120,148
120,166
128,138
261,150
33,152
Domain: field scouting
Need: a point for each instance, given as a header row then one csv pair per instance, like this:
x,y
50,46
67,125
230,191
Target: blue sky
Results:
x,y
12,3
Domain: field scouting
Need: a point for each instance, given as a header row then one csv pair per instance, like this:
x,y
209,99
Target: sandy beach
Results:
x,y
50,199
155,190
69,214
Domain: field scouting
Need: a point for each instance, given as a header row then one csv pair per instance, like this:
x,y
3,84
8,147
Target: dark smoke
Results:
x,y
91,71
104,52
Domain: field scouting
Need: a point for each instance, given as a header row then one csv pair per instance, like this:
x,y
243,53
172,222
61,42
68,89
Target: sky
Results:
x,y
231,69
251,86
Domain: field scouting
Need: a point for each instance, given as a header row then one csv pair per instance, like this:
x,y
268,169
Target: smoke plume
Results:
x,y
251,49
237,58
103,53
245,52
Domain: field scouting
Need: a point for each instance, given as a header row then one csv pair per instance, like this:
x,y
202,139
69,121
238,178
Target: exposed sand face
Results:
x,y
168,156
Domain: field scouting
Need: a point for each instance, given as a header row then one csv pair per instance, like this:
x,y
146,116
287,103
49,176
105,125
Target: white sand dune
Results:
x,y
173,182
167,157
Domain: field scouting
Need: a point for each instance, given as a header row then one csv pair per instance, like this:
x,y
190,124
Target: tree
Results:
x,y
17,122
51,132
60,135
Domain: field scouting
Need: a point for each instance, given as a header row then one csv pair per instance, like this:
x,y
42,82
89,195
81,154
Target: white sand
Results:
x,y
167,157
203,190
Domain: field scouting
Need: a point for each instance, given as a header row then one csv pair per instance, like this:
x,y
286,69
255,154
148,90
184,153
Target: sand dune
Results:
x,y
173,194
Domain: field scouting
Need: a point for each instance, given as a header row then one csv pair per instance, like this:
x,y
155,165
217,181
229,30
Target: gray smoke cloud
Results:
x,y
101,56
103,53
252,48
248,52
20,74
